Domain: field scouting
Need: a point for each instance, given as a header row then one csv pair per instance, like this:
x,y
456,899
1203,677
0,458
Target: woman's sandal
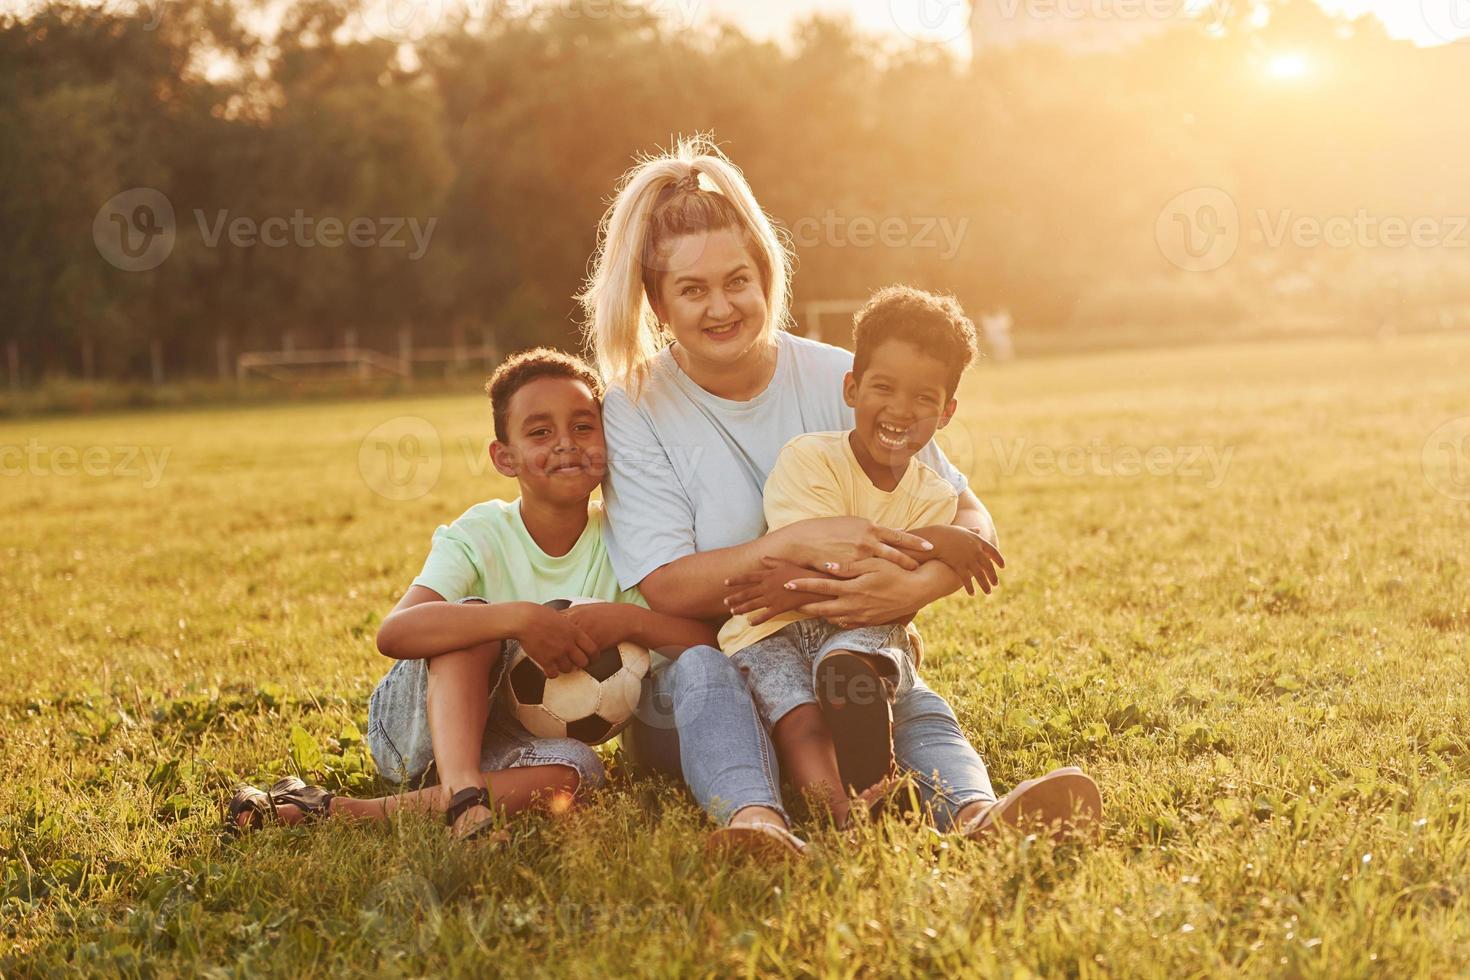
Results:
x,y
313,802
1064,801
467,799
765,841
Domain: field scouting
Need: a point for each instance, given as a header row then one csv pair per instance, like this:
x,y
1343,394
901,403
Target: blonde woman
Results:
x,y
686,314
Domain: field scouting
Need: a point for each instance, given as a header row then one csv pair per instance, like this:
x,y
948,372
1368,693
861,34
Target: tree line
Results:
x,y
320,183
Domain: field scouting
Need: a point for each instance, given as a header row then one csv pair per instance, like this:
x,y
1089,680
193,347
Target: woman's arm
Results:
x,y
608,623
881,592
694,586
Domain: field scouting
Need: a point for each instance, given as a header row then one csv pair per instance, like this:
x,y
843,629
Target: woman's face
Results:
x,y
711,297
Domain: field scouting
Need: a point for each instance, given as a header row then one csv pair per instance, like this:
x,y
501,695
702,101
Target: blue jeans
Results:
x,y
398,732
698,721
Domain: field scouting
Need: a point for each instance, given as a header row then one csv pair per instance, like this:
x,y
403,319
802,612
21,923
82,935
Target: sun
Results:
x,y
1289,66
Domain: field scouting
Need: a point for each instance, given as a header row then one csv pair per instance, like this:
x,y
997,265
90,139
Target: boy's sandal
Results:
x,y
1063,801
765,841
872,804
862,728
313,802
467,799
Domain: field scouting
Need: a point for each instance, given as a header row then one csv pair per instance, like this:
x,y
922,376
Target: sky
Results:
x,y
1422,21
1426,22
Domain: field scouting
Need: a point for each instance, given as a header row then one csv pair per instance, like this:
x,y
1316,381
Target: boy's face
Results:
x,y
554,446
902,399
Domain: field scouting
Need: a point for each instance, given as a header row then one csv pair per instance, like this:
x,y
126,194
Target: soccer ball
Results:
x,y
591,705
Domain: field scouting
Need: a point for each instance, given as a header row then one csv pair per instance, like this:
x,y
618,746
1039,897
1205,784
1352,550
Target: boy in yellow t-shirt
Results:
x,y
911,348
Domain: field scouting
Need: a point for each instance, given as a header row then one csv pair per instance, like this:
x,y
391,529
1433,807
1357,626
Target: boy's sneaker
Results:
x,y
854,703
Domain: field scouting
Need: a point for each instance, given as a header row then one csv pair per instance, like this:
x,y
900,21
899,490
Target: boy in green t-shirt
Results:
x,y
482,591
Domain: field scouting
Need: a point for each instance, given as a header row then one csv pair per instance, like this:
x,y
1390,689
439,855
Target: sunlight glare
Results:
x,y
1288,66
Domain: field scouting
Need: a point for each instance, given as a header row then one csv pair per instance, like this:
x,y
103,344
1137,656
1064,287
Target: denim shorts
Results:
x,y
781,669
398,731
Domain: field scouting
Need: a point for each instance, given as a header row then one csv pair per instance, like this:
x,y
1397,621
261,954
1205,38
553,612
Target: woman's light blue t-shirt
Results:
x,y
686,469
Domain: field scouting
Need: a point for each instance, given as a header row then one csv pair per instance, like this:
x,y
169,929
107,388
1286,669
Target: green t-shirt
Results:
x,y
489,553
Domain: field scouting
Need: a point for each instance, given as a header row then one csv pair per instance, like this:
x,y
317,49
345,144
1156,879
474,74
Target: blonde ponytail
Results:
x,y
692,188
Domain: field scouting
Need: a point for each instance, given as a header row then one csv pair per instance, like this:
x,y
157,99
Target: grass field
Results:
x,y
1262,659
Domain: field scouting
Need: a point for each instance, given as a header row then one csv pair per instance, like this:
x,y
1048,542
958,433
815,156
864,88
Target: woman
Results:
x,y
686,312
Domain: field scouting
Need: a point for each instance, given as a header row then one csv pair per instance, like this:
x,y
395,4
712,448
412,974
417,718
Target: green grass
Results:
x,y
1266,672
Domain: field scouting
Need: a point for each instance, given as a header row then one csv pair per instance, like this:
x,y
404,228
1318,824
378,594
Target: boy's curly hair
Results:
x,y
932,322
520,369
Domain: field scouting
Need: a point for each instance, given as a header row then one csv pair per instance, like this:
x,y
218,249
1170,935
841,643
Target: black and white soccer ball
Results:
x,y
591,705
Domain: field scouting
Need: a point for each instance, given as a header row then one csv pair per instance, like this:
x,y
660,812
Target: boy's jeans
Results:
x,y
697,720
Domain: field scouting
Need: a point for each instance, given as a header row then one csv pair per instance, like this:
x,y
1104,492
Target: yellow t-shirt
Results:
x,y
817,475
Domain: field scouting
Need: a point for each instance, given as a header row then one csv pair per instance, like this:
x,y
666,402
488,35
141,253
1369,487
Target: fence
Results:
x,y
824,320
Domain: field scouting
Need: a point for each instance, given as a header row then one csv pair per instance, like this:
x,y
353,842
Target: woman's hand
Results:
x,y
879,592
837,544
762,594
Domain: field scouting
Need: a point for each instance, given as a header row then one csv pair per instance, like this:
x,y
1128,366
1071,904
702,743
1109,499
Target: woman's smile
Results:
x,y
724,331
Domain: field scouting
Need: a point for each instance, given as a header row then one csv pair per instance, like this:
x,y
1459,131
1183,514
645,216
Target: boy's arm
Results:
x,y
424,625
761,595
966,553
883,593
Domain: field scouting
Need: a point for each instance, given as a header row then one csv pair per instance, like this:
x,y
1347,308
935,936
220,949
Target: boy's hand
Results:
x,y
606,623
557,643
762,594
971,557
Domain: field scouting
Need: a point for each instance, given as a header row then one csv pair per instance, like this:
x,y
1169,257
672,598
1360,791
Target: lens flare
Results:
x,y
1289,66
